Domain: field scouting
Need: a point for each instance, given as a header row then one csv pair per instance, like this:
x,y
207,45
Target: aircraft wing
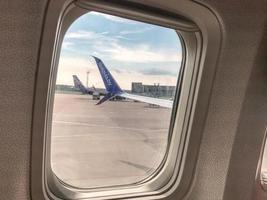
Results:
x,y
150,100
113,89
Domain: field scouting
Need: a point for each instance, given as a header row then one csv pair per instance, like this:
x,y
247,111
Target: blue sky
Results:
x,y
131,50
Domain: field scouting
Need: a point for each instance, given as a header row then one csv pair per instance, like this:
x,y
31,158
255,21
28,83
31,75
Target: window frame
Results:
x,y
176,166
261,181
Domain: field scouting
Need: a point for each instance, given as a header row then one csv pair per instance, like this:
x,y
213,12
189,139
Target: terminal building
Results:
x,y
155,90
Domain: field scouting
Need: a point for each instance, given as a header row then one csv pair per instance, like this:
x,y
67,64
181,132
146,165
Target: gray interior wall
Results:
x,y
237,106
235,115
250,131
20,30
257,90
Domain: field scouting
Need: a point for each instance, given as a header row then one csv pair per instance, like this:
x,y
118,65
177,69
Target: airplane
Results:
x,y
85,90
114,90
91,91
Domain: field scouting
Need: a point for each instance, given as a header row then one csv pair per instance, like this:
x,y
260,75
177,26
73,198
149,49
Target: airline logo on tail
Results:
x,y
78,84
110,83
104,72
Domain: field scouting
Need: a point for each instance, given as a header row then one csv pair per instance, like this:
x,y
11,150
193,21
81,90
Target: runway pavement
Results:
x,y
116,143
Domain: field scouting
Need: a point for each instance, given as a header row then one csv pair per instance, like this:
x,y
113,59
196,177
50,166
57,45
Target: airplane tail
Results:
x,y
78,84
93,87
112,87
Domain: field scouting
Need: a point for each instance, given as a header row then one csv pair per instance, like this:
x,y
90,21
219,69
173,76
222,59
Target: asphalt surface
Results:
x,y
116,143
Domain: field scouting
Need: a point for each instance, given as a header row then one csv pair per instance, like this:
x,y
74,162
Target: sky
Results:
x,y
132,51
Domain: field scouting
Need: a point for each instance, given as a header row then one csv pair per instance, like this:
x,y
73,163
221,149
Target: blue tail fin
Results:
x,y
111,85
78,84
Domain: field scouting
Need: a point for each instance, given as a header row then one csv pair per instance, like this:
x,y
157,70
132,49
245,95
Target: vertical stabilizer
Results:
x,y
78,84
110,83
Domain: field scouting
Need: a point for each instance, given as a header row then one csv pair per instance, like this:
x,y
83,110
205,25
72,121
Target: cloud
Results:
x,y
111,46
75,61
113,18
105,32
141,53
122,37
157,71
128,60
82,35
67,45
94,41
91,37
69,66
136,31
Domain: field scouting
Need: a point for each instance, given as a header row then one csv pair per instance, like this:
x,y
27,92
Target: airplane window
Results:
x,y
114,94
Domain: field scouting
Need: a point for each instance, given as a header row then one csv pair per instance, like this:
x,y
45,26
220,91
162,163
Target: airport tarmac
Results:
x,y
115,143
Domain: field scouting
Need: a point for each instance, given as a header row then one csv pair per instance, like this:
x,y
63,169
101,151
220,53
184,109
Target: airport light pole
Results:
x,y
87,78
156,90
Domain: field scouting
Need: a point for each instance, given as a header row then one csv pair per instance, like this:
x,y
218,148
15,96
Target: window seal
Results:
x,y
152,185
43,95
134,11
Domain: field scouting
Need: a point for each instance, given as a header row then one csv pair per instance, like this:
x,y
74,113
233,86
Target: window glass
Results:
x,y
115,87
